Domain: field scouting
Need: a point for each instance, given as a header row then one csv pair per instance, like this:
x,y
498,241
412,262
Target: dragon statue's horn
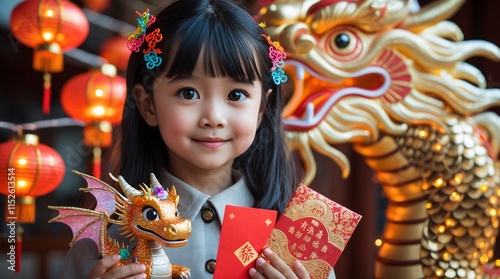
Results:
x,y
154,180
129,191
172,195
431,13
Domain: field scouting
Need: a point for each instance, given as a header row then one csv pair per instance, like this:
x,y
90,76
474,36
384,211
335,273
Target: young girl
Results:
x,y
203,113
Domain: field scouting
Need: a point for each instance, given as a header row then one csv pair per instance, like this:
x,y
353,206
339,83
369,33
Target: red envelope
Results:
x,y
314,230
244,233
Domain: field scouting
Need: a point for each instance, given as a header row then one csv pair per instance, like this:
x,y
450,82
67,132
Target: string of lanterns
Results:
x,y
94,99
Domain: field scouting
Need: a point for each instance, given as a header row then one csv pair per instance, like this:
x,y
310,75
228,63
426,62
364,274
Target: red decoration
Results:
x,y
35,169
49,27
116,52
97,5
96,98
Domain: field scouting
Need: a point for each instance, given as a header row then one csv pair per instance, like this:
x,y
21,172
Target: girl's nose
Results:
x,y
213,116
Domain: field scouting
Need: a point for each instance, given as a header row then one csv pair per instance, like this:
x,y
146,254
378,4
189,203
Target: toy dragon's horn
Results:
x,y
129,191
154,181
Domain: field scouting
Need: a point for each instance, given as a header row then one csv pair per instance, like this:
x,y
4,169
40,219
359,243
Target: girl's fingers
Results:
x,y
300,270
130,271
102,265
276,268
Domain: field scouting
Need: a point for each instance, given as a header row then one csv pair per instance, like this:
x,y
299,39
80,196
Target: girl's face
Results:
x,y
206,122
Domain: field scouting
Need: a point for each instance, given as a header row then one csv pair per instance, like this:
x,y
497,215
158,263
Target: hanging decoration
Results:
x,y
97,98
49,27
28,169
116,52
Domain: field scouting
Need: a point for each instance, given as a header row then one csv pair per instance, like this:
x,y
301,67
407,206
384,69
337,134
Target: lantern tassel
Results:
x,y
47,88
97,162
19,247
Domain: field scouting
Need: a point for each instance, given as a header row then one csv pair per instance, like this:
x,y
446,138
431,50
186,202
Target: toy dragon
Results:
x,y
149,215
390,77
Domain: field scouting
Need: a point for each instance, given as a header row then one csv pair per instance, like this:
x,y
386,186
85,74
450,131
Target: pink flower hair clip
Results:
x,y
277,56
137,38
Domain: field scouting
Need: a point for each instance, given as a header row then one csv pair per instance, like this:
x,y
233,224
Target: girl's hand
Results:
x,y
130,271
276,268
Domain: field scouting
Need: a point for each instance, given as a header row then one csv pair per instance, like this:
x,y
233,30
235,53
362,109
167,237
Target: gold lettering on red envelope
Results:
x,y
314,230
244,233
246,253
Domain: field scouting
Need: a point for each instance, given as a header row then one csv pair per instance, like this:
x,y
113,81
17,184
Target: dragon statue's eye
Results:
x,y
342,40
150,214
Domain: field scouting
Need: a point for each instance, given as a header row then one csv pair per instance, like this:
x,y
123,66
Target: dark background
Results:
x,y
20,102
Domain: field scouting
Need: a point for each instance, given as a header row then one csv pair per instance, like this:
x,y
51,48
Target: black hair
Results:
x,y
231,45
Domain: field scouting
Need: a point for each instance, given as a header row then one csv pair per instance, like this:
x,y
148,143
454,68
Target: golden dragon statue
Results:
x,y
149,215
391,78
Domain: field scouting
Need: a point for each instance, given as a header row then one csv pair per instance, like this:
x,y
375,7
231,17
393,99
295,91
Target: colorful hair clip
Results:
x,y
277,56
137,38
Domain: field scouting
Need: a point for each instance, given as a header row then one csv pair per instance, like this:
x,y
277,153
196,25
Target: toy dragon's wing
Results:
x,y
84,223
104,194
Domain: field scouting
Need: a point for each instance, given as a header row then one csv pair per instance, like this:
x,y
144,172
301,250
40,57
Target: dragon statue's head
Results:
x,y
151,213
364,68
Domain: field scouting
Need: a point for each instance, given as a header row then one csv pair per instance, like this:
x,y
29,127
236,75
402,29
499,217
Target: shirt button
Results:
x,y
210,266
208,215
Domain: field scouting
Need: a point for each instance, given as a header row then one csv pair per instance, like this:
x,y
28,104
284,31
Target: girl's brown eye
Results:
x,y
188,94
237,95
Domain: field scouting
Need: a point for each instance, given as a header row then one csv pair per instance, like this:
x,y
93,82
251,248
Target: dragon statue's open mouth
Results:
x,y
320,93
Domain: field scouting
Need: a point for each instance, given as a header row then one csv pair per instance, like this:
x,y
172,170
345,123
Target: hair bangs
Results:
x,y
223,48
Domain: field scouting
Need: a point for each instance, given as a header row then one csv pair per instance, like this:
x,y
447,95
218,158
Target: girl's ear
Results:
x,y
145,104
261,113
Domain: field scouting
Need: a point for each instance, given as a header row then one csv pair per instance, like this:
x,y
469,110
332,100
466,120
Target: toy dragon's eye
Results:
x,y
150,214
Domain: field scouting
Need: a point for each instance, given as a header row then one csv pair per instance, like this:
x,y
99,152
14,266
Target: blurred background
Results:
x,y
21,87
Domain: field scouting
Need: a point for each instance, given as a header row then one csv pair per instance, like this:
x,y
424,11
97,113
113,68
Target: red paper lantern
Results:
x,y
96,5
97,98
28,169
49,27
116,52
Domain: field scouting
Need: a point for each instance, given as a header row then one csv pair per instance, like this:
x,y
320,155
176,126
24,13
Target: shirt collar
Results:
x,y
191,200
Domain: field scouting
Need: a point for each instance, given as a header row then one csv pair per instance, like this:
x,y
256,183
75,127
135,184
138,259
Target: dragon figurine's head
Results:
x,y
151,213
363,68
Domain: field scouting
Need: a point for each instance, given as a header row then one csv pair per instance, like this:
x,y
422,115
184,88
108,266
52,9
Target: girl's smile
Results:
x,y
211,143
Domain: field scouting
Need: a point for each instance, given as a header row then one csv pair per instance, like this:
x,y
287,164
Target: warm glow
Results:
x,y
378,242
492,212
441,229
484,188
428,205
438,182
437,147
22,162
422,134
49,13
21,183
47,36
449,222
446,256
425,186
484,259
455,196
458,178
98,111
481,244
497,263
439,272
493,200
99,93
